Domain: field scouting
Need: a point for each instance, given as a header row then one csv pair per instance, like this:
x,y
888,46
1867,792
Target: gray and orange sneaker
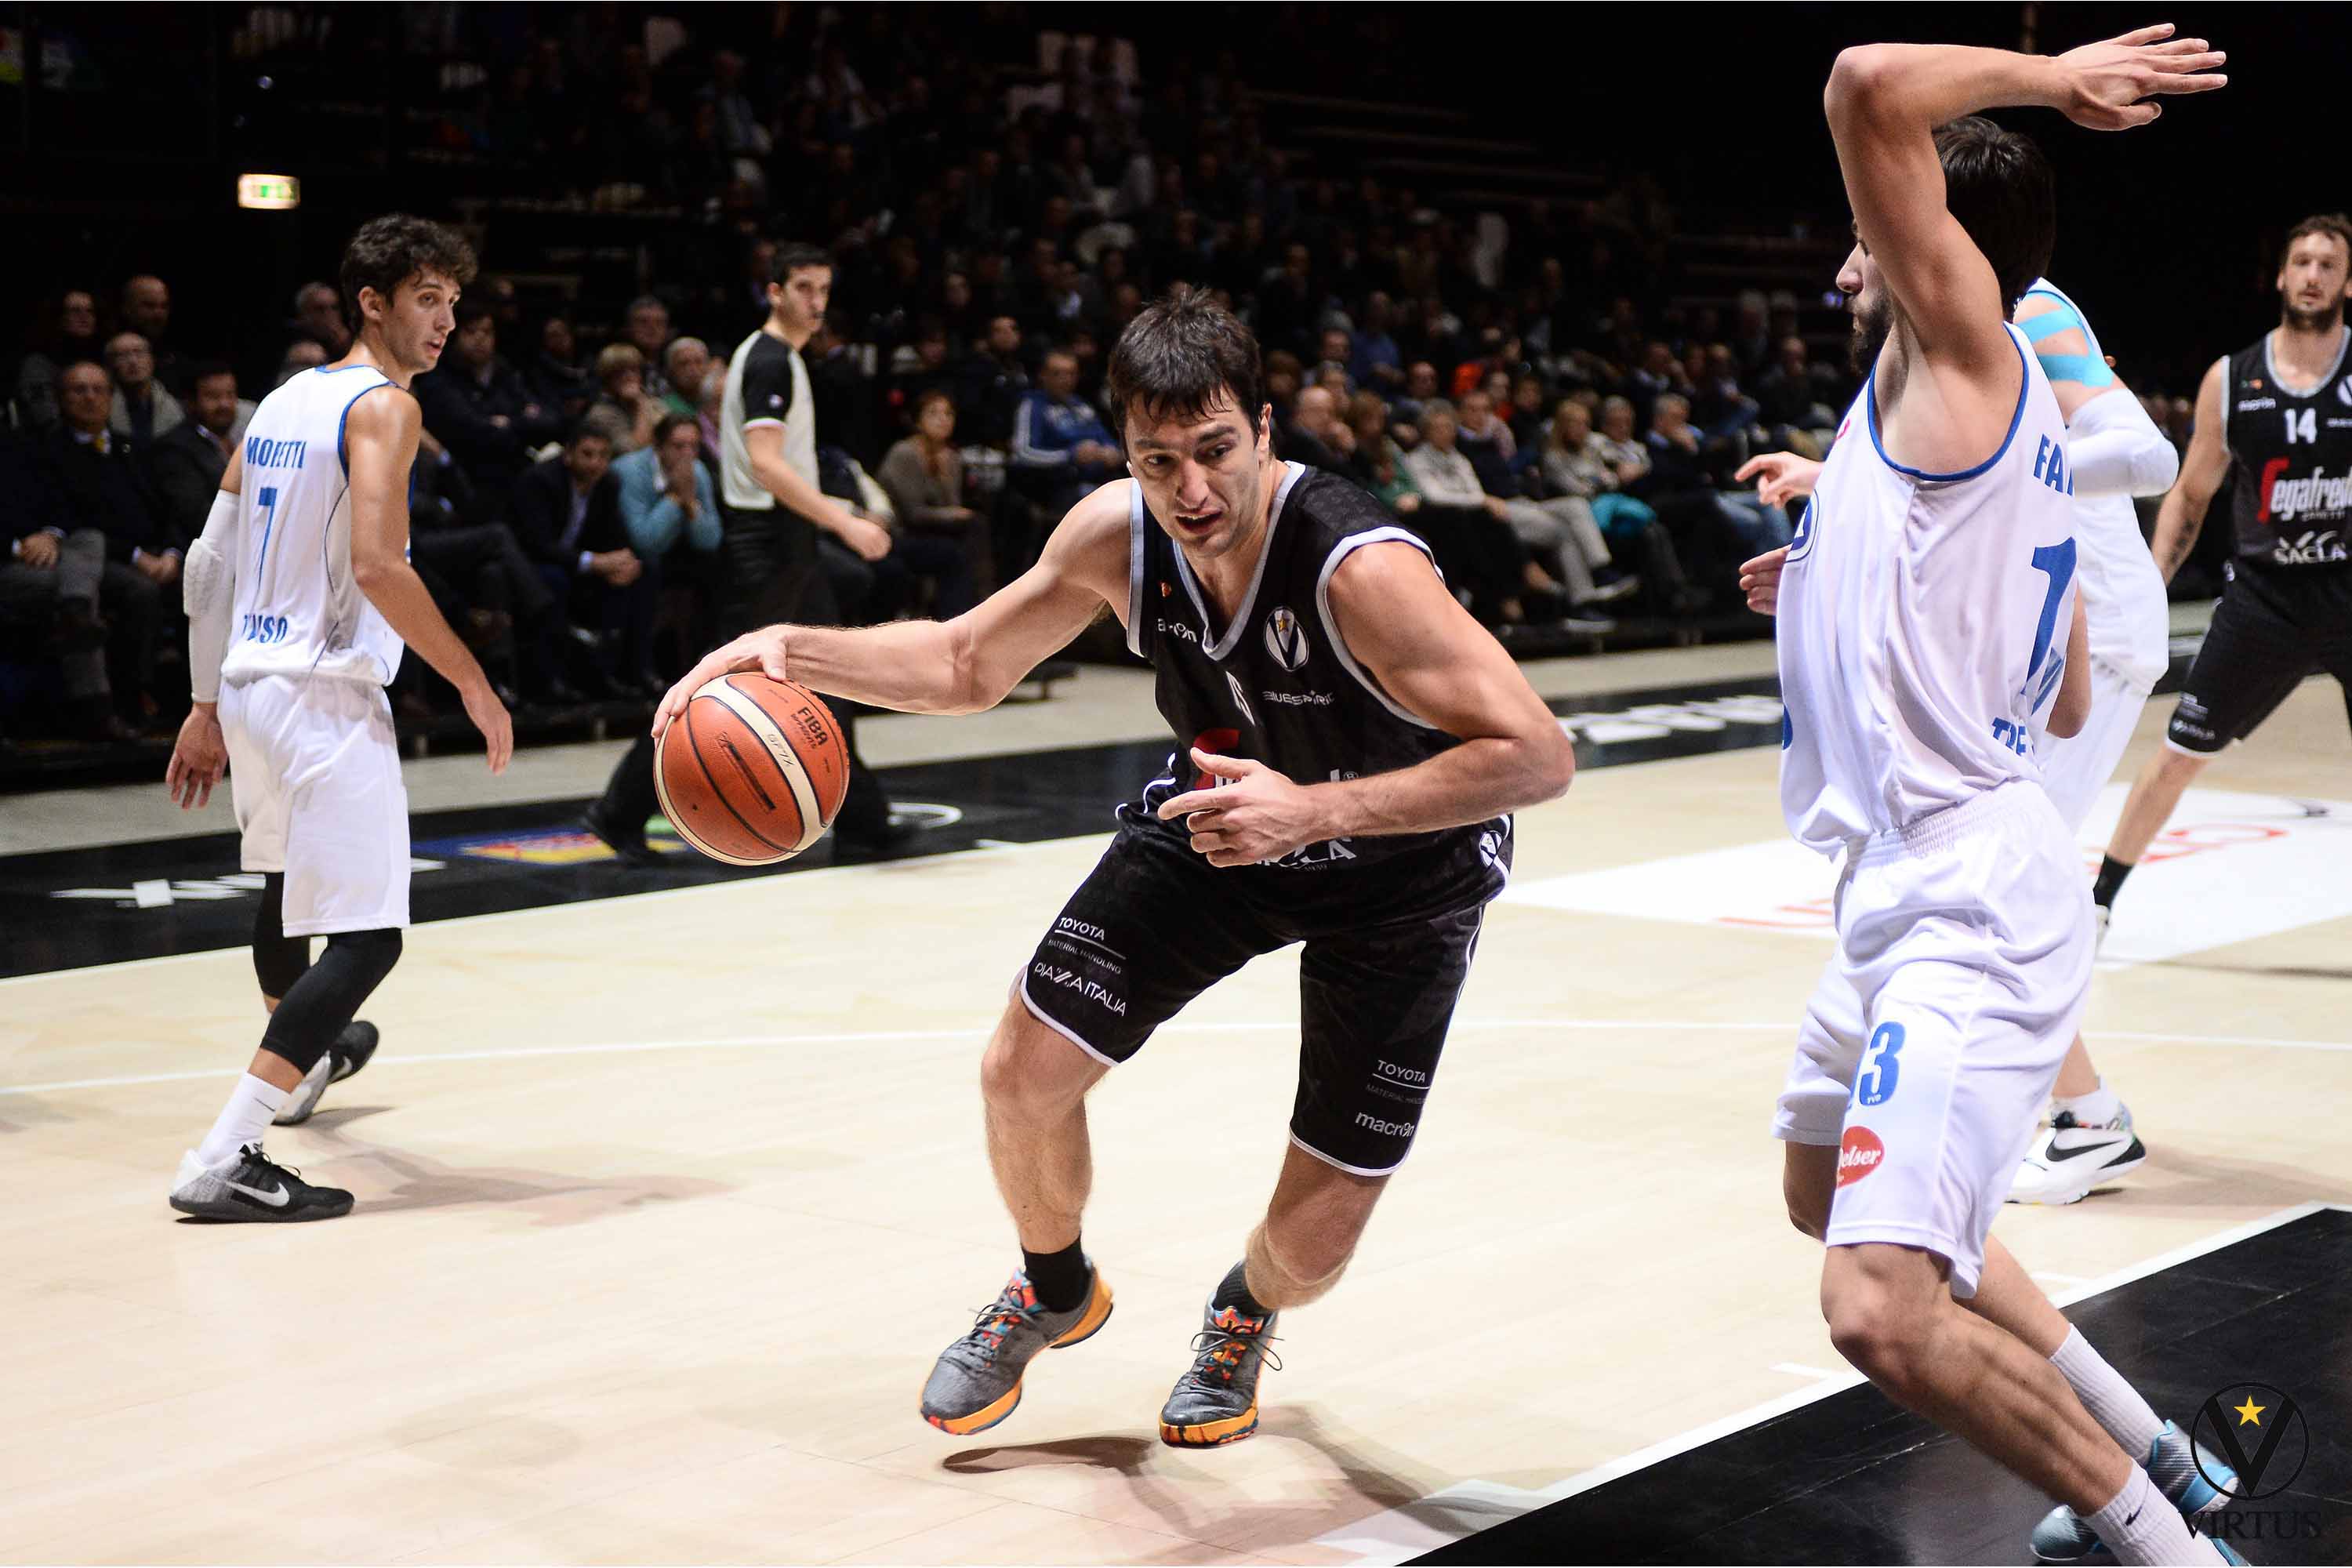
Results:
x,y
1216,1402
976,1381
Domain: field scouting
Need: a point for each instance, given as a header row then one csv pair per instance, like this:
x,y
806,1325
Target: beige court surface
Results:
x,y
668,1202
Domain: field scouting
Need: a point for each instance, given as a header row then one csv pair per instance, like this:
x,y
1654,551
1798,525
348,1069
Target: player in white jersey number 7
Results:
x,y
301,602
1925,661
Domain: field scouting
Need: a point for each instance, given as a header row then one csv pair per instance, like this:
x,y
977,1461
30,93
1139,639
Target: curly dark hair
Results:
x,y
2334,224
1180,358
388,251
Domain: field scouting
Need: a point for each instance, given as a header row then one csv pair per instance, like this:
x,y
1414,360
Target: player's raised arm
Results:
x,y
2207,463
380,436
1884,102
964,665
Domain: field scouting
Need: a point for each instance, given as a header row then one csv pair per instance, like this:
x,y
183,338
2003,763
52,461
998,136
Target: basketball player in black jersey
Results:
x,y
1348,743
2280,411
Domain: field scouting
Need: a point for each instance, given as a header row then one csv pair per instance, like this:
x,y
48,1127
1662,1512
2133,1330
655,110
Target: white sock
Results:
x,y
252,1106
2113,1403
2097,1108
2141,1526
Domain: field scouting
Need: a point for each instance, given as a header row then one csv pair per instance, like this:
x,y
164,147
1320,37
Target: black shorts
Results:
x,y
1154,925
2271,630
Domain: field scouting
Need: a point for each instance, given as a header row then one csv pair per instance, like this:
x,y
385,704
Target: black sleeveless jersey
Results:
x,y
2293,500
1279,686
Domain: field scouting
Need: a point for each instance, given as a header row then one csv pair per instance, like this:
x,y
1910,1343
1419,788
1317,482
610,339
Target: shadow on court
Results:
x,y
1369,1479
550,1197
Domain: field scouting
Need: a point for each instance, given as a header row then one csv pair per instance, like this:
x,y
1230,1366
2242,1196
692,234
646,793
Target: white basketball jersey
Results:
x,y
2124,598
299,609
1922,624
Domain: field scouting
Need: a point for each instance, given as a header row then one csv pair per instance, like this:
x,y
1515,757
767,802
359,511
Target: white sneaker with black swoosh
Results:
x,y
251,1186
2069,1159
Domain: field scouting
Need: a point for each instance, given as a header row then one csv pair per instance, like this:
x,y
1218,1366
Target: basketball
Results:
x,y
753,772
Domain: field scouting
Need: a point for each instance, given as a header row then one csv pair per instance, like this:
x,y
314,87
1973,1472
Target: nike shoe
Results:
x,y
976,1381
1216,1402
2069,1159
349,1053
253,1186
2178,1468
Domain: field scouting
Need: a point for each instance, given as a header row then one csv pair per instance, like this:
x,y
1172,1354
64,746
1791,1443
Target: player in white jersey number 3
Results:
x,y
1931,639
300,600
2114,451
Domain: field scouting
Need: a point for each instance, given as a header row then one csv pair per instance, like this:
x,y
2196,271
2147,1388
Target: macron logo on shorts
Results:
x,y
1858,1155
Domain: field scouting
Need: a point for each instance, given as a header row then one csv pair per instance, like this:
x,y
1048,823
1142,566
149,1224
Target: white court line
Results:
x,y
1399,1533
737,884
739,1042
1799,1369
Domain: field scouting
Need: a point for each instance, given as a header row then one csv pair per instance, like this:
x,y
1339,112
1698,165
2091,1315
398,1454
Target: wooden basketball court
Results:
x,y
667,1202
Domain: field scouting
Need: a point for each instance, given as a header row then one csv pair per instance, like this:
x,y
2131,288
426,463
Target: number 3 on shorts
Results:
x,y
1881,1067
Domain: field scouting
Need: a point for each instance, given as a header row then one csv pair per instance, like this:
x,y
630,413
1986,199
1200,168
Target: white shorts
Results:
x,y
2074,772
315,770
1927,1049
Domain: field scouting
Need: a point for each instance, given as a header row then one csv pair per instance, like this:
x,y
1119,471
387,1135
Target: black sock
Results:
x,y
2112,873
1060,1278
1234,1291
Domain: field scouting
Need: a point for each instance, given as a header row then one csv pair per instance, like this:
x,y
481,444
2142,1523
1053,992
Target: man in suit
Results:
x,y
566,514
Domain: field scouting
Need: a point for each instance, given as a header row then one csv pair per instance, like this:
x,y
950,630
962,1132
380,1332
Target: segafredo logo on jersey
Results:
x,y
1859,1153
1285,639
2315,494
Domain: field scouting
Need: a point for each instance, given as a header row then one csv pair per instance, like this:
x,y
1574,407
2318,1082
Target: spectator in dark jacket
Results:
x,y
1061,448
567,518
50,581
480,408
184,468
92,480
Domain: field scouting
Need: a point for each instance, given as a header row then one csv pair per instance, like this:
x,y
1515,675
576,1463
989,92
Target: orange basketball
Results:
x,y
753,770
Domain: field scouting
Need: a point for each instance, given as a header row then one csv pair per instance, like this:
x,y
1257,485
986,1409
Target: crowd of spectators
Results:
x,y
1522,391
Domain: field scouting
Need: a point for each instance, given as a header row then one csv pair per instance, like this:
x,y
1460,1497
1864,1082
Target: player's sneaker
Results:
x,y
349,1053
976,1381
250,1185
1216,1402
2178,1471
2069,1159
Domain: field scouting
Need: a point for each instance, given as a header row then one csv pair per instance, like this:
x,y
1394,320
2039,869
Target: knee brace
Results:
x,y
278,960
319,1005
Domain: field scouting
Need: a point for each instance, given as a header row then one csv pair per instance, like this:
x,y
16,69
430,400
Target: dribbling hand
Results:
x,y
2104,82
1785,476
1258,815
763,650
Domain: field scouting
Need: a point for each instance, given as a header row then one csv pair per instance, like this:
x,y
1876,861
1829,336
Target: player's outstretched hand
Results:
x,y
1258,815
1760,580
199,758
2105,81
1784,474
490,717
763,650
